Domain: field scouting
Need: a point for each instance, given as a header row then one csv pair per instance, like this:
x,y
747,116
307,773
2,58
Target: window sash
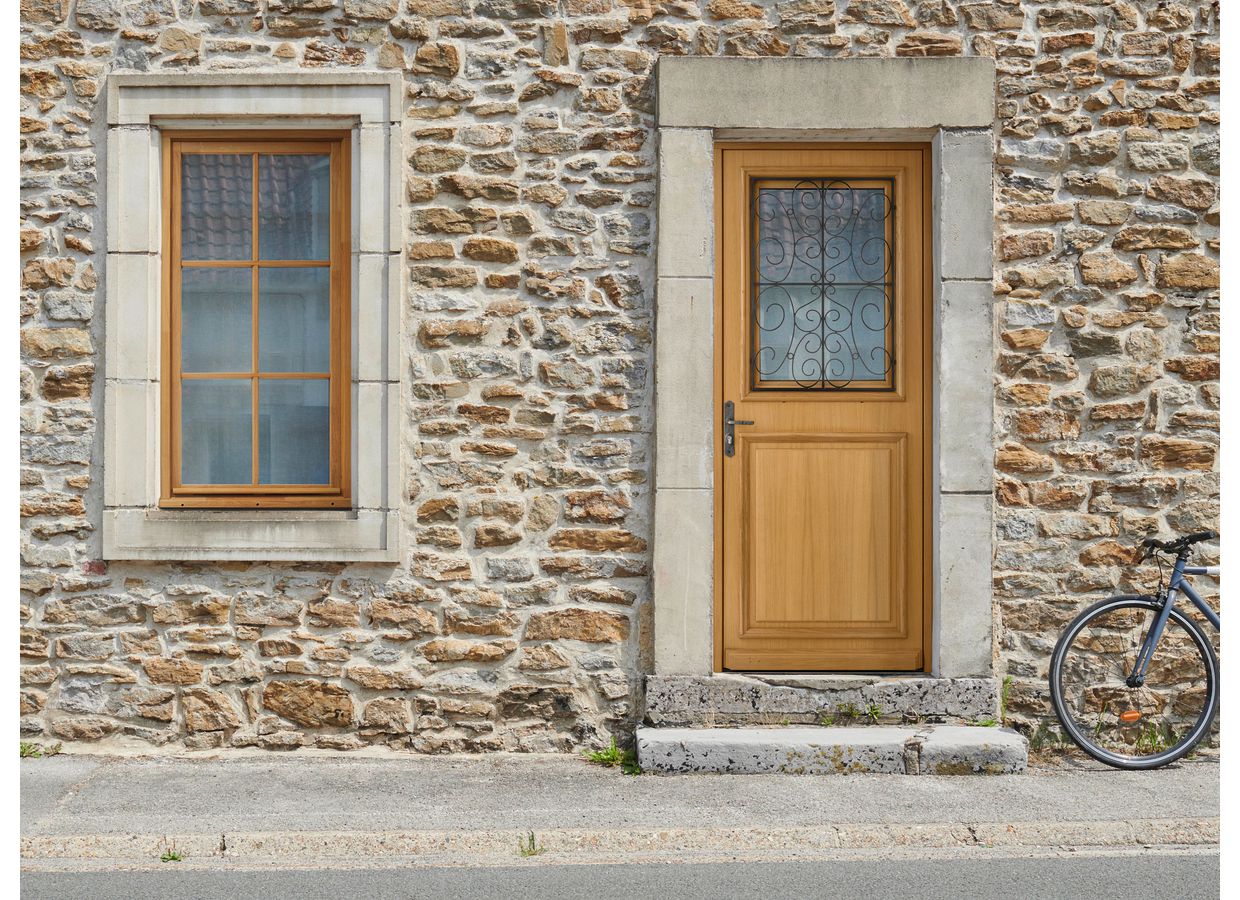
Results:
x,y
336,492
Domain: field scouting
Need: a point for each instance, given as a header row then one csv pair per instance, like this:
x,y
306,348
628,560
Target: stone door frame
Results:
x,y
948,102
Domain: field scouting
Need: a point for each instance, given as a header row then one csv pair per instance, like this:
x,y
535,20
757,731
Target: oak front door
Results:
x,y
823,443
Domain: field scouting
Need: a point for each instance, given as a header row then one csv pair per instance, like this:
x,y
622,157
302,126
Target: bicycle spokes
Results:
x,y
1098,692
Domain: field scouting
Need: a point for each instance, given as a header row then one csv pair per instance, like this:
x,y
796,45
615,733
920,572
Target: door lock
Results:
x,y
729,428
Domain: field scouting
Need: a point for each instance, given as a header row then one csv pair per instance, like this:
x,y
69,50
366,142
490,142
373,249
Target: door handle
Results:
x,y
729,427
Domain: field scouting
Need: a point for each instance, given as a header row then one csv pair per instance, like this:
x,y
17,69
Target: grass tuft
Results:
x,y
612,757
529,846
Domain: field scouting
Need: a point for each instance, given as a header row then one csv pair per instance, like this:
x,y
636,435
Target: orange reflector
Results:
x,y
1130,715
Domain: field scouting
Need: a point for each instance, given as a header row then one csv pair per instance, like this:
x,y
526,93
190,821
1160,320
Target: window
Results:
x,y
256,318
823,269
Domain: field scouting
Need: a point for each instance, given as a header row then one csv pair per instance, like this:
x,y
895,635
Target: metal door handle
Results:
x,y
729,428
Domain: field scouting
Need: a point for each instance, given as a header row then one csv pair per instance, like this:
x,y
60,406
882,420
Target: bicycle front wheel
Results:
x,y
1128,727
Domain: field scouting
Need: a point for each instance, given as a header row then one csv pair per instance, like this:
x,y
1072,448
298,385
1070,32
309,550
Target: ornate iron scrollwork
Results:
x,y
821,298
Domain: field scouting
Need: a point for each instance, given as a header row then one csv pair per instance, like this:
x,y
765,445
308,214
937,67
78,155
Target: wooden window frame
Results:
x,y
337,493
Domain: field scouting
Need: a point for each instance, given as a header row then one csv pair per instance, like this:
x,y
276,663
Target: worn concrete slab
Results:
x,y
924,750
791,751
956,750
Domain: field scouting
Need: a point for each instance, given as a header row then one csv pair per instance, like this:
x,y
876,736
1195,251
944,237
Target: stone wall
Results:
x,y
521,619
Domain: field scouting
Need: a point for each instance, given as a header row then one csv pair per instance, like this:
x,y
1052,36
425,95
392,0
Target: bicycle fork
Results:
x,y
1152,637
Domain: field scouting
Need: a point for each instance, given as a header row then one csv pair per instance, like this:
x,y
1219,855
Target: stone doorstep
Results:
x,y
925,750
726,699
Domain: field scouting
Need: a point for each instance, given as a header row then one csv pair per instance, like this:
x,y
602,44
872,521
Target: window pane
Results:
x,y
217,192
294,206
294,320
215,431
215,320
294,431
822,290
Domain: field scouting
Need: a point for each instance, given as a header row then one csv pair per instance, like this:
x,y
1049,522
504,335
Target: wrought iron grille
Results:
x,y
822,299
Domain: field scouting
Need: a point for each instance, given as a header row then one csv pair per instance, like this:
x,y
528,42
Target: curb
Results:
x,y
287,847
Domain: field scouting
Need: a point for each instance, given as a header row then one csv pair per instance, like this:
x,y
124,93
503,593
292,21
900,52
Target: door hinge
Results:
x,y
729,427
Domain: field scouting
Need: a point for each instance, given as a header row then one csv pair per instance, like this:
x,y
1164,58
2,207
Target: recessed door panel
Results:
x,y
825,529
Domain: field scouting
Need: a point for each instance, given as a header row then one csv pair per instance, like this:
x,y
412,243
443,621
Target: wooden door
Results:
x,y
824,328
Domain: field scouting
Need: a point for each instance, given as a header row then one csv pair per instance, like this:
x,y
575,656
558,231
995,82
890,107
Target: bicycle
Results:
x,y
1135,681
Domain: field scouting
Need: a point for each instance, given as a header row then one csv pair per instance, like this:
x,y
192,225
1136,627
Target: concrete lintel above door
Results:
x,y
951,100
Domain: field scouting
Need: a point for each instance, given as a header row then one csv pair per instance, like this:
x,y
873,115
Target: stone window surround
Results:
x,y
946,101
138,106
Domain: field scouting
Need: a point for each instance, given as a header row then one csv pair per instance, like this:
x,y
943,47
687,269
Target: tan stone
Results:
x,y
1017,458
1187,271
437,59
1104,212
1146,237
68,382
208,710
1191,192
597,539
163,670
1106,269
312,704
387,714
577,624
1194,368
546,658
929,43
1022,244
1176,453
377,679
490,249
454,650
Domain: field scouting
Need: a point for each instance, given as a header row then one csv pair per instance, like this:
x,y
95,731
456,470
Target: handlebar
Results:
x,y
1153,545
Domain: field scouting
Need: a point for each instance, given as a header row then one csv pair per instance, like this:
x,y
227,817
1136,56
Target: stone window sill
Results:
x,y
364,535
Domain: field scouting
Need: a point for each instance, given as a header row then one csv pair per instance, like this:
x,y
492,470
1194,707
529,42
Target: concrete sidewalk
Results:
x,y
304,807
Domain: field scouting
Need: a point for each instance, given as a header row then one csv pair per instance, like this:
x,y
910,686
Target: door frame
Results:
x,y
927,418
948,102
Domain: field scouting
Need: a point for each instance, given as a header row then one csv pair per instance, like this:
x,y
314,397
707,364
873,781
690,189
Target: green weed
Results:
x,y
874,712
612,756
529,846
1003,698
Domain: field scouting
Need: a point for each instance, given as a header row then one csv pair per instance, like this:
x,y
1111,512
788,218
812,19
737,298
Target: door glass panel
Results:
x,y
822,292
215,320
294,320
294,206
215,431
217,193
294,431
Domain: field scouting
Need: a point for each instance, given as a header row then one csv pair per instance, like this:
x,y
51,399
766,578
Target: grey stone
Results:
x,y
706,92
733,699
922,750
789,751
955,750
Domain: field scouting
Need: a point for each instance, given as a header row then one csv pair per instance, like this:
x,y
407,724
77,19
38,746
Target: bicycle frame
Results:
x,y
1174,587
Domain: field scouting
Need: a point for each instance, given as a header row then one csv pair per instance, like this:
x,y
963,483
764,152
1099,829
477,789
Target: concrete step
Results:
x,y
924,750
726,699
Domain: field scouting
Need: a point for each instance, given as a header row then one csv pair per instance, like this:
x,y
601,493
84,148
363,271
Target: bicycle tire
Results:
x,y
1134,763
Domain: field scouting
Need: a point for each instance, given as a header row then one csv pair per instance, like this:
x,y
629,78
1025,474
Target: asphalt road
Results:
x,y
1164,874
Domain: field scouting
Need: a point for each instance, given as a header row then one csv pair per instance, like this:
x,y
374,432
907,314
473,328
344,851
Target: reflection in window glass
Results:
x,y
294,206
217,192
294,431
215,431
216,317
294,320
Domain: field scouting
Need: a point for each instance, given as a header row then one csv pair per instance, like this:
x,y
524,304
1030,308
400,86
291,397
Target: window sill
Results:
x,y
300,535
